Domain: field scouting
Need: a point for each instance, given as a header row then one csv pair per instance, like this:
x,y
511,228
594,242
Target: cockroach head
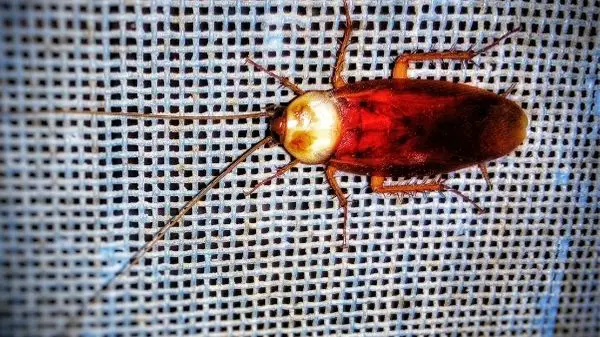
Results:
x,y
277,125
310,127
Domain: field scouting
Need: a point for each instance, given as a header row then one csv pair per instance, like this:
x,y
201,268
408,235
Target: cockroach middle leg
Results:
x,y
509,90
486,176
337,79
377,185
330,173
401,64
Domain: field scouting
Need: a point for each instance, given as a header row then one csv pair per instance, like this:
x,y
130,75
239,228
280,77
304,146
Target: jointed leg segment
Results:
x,y
435,186
330,173
337,79
281,171
401,64
484,172
283,80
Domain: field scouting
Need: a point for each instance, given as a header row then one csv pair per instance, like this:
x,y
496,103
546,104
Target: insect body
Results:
x,y
400,127
382,128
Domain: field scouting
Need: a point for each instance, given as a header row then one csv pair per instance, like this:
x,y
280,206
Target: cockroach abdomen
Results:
x,y
405,127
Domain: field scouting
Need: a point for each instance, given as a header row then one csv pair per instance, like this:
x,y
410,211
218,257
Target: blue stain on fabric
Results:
x,y
596,107
561,178
549,307
272,20
274,40
590,81
158,272
563,249
109,255
463,228
207,261
582,193
549,302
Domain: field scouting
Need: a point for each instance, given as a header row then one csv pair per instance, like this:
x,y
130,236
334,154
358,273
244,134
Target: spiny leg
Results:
x,y
281,171
330,173
401,64
486,176
509,90
283,80
337,80
433,186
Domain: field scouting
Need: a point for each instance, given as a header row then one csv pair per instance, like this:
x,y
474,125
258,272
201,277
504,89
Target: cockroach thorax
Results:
x,y
310,127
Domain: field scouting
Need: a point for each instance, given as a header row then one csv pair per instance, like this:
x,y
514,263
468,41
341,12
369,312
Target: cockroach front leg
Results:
x,y
337,79
434,186
401,64
330,173
281,171
283,80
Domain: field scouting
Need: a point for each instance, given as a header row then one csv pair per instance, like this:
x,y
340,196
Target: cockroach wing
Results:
x,y
406,127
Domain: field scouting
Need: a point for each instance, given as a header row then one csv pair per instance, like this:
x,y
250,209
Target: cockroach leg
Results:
x,y
283,80
401,64
431,186
338,80
330,173
497,41
281,171
484,172
509,90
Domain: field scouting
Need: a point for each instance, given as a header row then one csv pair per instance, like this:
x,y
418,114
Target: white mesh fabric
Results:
x,y
78,194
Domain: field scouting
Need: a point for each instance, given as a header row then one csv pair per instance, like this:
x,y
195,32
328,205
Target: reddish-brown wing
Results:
x,y
405,127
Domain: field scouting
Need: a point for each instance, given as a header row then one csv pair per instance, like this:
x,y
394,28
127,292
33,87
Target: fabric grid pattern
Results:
x,y
79,194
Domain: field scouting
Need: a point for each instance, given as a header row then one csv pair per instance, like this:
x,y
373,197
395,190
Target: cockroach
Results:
x,y
396,127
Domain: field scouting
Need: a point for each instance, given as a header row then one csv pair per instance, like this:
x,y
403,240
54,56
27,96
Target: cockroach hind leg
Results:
x,y
497,41
464,197
484,173
343,202
344,205
401,63
438,185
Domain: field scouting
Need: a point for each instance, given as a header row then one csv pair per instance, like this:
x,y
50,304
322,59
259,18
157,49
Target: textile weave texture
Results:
x,y
79,193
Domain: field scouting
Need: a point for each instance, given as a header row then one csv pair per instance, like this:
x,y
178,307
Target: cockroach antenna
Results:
x,y
135,115
135,258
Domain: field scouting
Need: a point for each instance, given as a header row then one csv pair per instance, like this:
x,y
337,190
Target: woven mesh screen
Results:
x,y
79,194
